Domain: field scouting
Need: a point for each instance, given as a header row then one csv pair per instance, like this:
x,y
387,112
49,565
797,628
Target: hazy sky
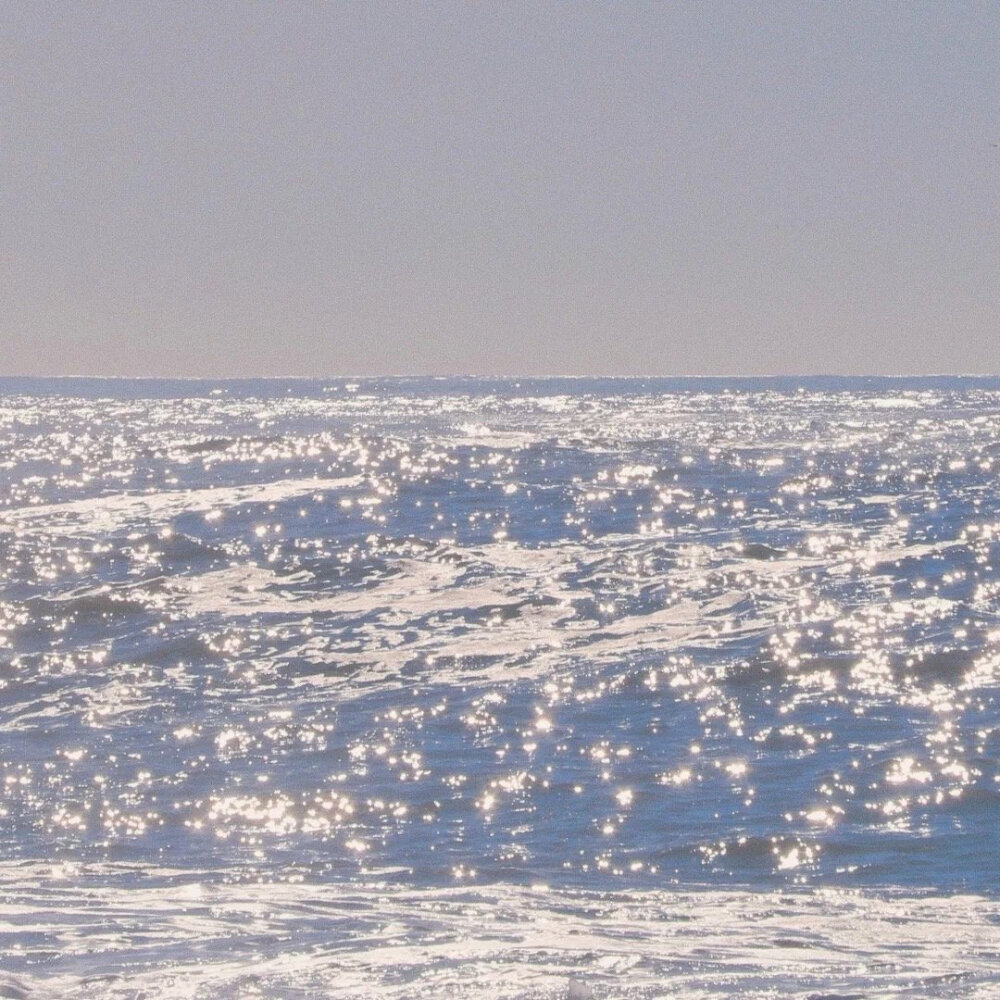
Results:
x,y
530,188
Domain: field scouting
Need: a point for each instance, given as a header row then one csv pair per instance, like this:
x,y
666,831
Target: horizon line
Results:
x,y
500,378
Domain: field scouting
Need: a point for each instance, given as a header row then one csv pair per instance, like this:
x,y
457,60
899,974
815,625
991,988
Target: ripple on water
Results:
x,y
426,640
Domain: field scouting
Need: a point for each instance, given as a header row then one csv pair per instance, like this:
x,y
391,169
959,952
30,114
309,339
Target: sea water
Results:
x,y
499,688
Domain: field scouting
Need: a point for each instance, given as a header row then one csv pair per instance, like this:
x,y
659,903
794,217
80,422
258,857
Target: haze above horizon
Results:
x,y
206,190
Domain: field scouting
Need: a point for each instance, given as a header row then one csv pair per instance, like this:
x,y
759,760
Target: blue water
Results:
x,y
315,661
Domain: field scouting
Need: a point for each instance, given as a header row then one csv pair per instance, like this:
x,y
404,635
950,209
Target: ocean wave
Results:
x,y
470,689
201,938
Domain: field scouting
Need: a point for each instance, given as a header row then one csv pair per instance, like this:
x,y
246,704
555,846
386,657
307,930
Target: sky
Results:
x,y
712,188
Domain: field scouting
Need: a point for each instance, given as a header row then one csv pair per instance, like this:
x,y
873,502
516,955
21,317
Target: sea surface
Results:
x,y
500,688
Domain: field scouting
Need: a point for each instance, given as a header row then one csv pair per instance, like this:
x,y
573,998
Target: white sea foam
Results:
x,y
181,938
113,511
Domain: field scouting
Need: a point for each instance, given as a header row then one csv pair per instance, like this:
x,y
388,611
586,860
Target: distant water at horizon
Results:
x,y
500,687
310,386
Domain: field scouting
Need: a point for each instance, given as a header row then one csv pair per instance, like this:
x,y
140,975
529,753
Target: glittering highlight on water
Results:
x,y
495,688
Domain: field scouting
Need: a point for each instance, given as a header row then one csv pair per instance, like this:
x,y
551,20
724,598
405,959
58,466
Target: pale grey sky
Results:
x,y
500,188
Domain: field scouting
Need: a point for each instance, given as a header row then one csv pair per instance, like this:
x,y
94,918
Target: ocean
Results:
x,y
500,688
